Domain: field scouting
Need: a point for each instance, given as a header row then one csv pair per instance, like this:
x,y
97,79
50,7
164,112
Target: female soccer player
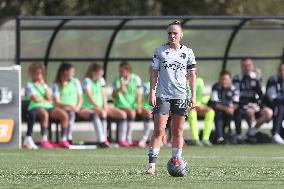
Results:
x,y
95,100
68,95
41,106
173,65
127,97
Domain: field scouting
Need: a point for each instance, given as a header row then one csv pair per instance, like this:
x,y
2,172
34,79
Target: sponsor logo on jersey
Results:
x,y
6,130
183,55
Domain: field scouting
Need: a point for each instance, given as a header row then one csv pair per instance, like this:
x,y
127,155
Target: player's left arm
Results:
x,y
192,83
191,76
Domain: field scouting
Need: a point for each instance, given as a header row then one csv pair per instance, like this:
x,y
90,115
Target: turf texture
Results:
x,y
244,166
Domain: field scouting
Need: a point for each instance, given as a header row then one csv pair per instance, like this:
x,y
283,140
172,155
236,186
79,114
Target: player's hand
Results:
x,y
122,86
152,98
105,107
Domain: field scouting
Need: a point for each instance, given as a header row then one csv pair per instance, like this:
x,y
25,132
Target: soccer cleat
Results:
x,y
197,143
276,139
105,144
64,144
29,143
240,139
150,171
123,143
142,144
46,144
54,145
206,143
221,141
252,132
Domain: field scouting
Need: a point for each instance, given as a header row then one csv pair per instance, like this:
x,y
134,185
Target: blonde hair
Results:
x,y
94,67
36,66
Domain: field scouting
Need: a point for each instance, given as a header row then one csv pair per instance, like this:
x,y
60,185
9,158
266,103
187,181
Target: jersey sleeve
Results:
x,y
146,89
86,83
103,82
191,60
156,60
55,91
271,91
236,82
214,94
236,95
29,90
114,85
138,82
79,87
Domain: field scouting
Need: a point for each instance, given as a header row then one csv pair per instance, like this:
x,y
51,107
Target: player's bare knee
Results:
x,y
267,113
159,132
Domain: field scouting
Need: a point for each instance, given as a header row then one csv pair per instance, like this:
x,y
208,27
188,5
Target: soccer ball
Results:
x,y
177,167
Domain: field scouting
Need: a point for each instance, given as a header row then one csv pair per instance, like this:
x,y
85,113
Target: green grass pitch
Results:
x,y
247,166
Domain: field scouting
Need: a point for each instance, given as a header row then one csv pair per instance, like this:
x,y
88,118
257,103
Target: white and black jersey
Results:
x,y
249,87
173,65
225,96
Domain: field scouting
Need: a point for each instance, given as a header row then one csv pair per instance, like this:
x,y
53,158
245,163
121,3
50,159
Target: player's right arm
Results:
x,y
154,78
118,89
57,100
32,96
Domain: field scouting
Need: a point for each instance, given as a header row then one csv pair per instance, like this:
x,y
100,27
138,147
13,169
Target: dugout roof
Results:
x,y
219,42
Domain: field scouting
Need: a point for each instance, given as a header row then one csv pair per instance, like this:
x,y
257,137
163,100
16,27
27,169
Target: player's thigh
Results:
x,y
42,113
145,113
116,113
58,114
162,107
85,113
266,112
202,110
131,114
100,112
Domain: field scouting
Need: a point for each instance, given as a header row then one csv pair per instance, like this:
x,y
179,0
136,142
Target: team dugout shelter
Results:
x,y
219,42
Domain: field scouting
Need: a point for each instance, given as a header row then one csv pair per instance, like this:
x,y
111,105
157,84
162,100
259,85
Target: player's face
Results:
x,y
247,66
69,73
101,72
97,74
123,72
38,75
281,71
174,34
226,81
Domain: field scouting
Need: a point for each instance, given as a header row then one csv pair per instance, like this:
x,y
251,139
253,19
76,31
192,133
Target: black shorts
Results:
x,y
171,106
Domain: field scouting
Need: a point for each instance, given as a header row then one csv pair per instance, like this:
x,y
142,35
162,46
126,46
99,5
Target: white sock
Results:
x,y
43,134
153,155
72,117
98,128
176,152
63,134
129,131
122,130
146,131
153,165
44,137
104,122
